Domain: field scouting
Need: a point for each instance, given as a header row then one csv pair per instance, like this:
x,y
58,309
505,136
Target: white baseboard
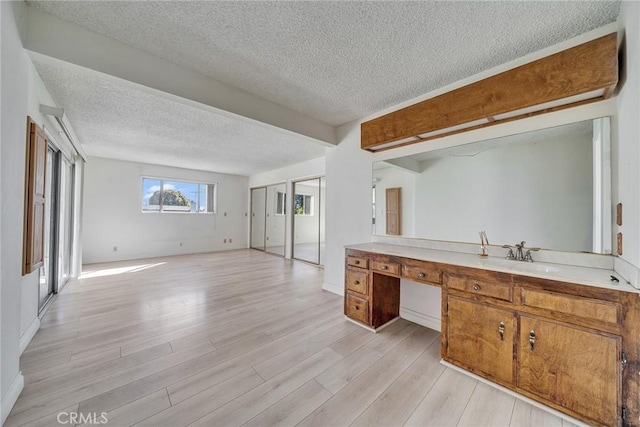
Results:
x,y
338,290
28,335
11,397
425,320
368,328
517,395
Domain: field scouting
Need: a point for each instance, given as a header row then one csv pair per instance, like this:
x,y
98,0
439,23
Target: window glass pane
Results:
x,y
202,201
150,195
281,203
159,195
211,198
179,196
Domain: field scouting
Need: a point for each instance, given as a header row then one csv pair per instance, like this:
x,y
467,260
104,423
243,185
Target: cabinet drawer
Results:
x,y
424,275
576,306
479,287
358,281
357,308
359,262
386,267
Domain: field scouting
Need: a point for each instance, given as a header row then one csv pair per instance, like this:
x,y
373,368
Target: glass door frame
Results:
x,y
59,160
318,208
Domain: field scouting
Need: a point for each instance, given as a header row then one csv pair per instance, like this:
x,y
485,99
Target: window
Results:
x,y
281,203
303,204
160,195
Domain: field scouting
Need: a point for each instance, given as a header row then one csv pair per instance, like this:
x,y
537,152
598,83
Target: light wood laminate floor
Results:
x,y
239,338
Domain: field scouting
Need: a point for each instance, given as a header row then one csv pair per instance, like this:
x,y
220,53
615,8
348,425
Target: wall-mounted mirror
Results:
x,y
550,188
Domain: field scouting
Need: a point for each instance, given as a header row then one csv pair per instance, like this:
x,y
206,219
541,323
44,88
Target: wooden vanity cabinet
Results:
x,y
572,347
558,347
570,366
480,338
372,289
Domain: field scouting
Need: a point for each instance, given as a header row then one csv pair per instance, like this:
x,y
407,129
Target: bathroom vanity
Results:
x,y
558,332
564,336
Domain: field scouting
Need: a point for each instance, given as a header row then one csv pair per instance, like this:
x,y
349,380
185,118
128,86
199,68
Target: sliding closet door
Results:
x,y
275,218
258,217
308,220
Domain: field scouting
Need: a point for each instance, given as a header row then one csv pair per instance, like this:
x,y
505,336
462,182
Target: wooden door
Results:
x,y
394,210
34,198
481,339
572,367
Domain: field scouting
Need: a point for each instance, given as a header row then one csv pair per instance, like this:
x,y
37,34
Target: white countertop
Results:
x,y
567,273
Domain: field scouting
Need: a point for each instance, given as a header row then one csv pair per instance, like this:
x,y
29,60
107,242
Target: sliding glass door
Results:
x,y
308,220
65,222
48,270
58,225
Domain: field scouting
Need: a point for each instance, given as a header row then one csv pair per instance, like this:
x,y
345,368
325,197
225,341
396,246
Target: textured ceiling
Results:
x,y
337,60
334,61
115,120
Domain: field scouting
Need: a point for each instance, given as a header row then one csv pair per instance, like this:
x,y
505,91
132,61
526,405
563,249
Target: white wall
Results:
x,y
541,193
113,215
389,178
14,83
626,135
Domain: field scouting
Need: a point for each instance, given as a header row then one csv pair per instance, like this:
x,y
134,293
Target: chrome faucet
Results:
x,y
520,254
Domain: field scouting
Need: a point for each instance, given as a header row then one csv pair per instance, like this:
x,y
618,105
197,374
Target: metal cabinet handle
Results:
x,y
421,275
532,339
501,331
384,267
357,282
356,307
356,262
476,287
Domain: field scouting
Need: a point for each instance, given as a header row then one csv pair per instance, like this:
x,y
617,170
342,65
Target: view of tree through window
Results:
x,y
160,195
303,204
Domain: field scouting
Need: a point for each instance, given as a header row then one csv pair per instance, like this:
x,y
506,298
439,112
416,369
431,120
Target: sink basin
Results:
x,y
525,267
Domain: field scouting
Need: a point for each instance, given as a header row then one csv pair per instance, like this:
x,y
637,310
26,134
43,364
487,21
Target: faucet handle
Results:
x,y
510,254
527,256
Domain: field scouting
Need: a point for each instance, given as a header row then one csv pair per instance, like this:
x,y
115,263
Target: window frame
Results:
x,y
311,204
214,197
283,205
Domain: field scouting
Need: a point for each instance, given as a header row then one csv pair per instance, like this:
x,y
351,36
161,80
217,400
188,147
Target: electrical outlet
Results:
x,y
225,214
180,244
115,249
230,240
225,241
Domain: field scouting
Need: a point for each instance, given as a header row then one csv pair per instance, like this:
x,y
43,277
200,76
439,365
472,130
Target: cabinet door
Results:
x,y
572,367
481,338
